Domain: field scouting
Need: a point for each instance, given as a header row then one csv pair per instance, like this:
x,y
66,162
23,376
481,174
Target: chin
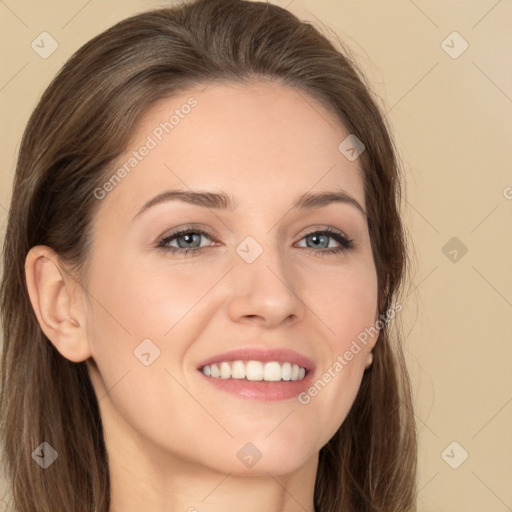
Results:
x,y
254,458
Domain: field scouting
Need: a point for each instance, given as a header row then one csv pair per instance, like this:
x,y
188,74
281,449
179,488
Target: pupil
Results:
x,y
317,238
188,238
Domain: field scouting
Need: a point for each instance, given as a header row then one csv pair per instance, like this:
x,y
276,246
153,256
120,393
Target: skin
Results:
x,y
173,438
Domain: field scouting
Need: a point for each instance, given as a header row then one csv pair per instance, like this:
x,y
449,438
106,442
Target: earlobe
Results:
x,y
51,293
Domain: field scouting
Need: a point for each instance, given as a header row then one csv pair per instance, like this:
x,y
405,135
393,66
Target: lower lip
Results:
x,y
262,390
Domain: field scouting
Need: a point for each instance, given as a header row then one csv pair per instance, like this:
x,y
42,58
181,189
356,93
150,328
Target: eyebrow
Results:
x,y
223,201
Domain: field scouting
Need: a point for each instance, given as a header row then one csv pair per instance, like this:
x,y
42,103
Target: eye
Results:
x,y
321,239
189,241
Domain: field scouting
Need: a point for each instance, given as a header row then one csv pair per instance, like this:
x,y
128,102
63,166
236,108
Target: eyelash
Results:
x,y
345,242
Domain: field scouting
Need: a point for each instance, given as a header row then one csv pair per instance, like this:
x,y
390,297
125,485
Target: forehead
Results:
x,y
259,141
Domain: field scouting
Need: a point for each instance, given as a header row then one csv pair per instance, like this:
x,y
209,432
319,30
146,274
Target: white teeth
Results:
x,y
272,371
237,370
286,371
255,371
215,372
225,371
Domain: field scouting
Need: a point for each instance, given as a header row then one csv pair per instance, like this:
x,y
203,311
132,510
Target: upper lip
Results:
x,y
281,355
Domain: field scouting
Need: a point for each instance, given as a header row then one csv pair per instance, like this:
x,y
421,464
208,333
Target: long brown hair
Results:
x,y
81,125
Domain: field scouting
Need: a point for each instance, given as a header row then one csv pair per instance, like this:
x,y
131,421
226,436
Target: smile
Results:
x,y
271,371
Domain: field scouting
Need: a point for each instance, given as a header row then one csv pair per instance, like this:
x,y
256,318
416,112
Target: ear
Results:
x,y
51,291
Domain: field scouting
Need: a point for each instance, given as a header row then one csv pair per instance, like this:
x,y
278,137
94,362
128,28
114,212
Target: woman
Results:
x,y
203,256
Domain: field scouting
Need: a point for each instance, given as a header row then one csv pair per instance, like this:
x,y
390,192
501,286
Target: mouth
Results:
x,y
259,374
252,370
258,365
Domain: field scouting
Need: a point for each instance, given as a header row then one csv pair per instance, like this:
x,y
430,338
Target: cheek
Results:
x,y
163,305
346,302
138,302
142,309
347,308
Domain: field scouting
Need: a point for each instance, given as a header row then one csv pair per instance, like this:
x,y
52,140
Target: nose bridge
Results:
x,y
264,283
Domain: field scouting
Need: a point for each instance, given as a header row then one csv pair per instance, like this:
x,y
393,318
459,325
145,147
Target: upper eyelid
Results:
x,y
310,229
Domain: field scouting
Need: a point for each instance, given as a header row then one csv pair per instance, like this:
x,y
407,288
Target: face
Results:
x,y
277,282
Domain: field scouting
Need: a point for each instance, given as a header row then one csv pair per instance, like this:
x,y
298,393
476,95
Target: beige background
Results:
x,y
452,121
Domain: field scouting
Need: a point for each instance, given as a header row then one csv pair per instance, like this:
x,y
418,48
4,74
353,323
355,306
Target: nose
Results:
x,y
265,291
